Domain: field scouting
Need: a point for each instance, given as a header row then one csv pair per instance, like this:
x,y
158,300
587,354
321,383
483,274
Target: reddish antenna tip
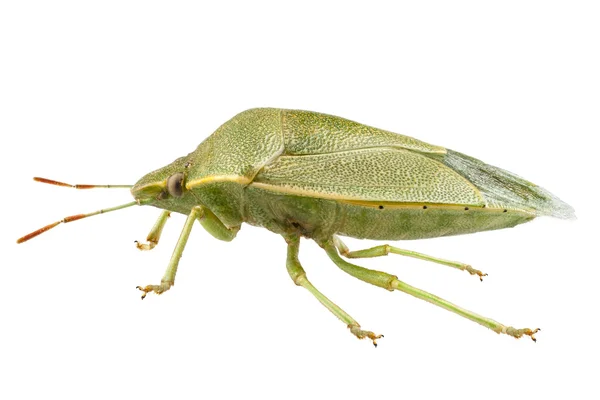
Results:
x,y
50,181
79,186
75,218
38,232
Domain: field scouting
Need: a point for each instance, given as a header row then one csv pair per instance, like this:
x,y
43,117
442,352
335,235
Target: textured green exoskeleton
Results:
x,y
305,174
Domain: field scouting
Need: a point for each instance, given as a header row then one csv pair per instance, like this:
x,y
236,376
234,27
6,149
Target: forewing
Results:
x,y
373,174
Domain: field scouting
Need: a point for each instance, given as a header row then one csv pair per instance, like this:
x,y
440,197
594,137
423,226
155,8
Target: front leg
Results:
x,y
155,232
168,279
211,223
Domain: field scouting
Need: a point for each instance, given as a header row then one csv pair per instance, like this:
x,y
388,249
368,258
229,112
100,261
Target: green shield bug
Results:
x,y
312,175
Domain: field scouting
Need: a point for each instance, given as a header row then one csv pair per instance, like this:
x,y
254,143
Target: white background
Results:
x,y
105,93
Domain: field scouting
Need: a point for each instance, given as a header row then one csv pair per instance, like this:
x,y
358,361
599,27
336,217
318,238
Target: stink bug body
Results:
x,y
306,174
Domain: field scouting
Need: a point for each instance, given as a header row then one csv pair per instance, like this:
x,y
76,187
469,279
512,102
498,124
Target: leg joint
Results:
x,y
386,249
200,214
299,277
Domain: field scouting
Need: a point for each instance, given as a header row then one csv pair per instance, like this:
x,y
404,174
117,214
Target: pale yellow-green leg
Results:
x,y
386,249
391,282
211,223
298,275
155,232
168,278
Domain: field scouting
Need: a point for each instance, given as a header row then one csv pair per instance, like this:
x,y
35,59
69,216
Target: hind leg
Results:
x,y
391,282
386,249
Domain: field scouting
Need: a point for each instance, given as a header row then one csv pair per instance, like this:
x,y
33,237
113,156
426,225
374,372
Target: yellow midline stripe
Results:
x,y
218,178
365,203
376,204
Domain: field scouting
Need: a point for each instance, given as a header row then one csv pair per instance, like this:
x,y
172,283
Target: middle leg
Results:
x,y
298,275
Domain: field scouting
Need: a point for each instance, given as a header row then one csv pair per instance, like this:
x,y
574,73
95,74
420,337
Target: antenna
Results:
x,y
74,218
80,186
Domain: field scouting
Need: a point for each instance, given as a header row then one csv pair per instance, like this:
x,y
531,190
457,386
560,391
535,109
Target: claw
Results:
x,y
145,246
142,289
158,289
530,333
359,333
518,333
146,290
474,271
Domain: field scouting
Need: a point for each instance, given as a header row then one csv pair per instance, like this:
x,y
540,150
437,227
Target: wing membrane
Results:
x,y
503,189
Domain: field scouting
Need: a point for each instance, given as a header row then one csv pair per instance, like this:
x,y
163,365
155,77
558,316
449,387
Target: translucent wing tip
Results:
x,y
558,208
505,189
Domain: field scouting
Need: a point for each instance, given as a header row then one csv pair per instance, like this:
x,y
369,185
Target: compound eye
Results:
x,y
175,184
